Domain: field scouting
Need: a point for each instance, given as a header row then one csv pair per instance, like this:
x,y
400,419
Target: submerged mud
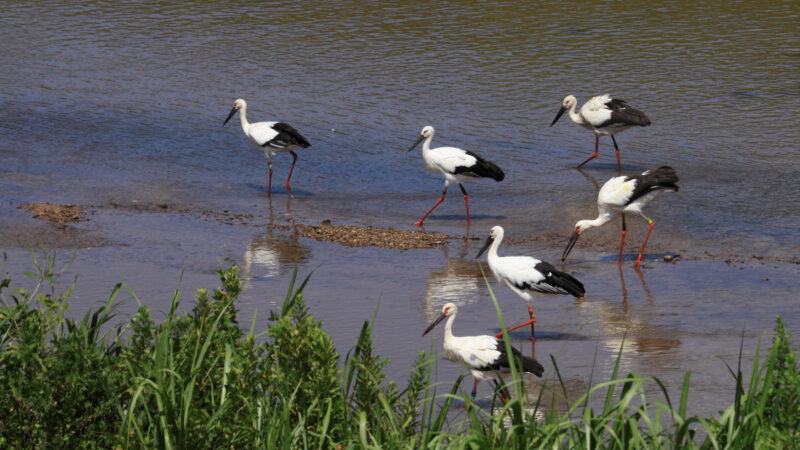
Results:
x,y
60,214
356,236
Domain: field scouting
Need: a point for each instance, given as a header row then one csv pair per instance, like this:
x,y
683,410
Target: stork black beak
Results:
x,y
433,325
558,116
233,111
570,244
489,241
416,143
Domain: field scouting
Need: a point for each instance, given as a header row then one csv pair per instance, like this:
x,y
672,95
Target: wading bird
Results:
x,y
627,194
456,165
526,275
605,116
271,137
485,356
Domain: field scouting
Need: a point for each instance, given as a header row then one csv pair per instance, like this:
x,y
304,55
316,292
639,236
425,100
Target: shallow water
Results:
x,y
107,103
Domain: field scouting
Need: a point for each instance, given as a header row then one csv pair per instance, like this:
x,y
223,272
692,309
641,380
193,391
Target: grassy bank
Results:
x,y
201,379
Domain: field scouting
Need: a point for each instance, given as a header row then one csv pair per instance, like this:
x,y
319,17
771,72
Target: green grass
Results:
x,y
201,379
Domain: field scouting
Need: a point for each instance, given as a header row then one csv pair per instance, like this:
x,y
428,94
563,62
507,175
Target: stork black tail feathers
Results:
x,y
531,366
492,171
484,168
560,280
568,283
664,177
638,118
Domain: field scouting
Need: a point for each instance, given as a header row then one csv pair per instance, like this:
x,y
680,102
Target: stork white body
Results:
x,y
627,194
271,137
605,116
526,275
455,165
485,356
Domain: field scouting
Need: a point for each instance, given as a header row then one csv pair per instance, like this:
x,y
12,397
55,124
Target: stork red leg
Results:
x,y
474,389
533,336
288,189
529,322
641,252
501,391
466,200
622,243
596,144
616,149
419,222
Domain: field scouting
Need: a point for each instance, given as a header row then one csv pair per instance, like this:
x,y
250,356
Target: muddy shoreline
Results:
x,y
66,220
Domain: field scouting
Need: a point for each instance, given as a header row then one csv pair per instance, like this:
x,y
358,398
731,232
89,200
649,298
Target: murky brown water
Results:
x,y
108,104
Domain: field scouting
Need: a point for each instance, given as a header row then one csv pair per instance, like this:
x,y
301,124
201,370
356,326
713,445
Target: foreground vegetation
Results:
x,y
199,380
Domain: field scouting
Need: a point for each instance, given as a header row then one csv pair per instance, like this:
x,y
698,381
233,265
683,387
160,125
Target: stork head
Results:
x,y
425,133
569,102
448,310
580,227
496,233
237,105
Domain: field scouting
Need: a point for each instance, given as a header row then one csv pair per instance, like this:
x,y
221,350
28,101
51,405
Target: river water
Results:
x,y
122,104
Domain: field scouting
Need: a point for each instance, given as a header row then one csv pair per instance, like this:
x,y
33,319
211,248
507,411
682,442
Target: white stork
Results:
x,y
271,137
485,356
456,165
605,116
526,275
627,194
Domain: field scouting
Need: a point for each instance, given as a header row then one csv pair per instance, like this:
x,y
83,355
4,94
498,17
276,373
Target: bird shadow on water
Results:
x,y
524,335
611,168
647,292
262,189
464,217
646,258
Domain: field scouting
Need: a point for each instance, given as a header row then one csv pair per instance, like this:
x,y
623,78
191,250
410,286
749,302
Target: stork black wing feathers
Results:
x,y
482,168
664,177
287,135
528,365
623,114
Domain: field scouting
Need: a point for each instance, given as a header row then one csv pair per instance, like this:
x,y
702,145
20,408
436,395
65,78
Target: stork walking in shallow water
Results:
x,y
526,275
456,165
485,356
272,138
627,194
605,116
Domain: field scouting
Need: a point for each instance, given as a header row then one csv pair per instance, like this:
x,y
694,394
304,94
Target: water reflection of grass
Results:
x,y
198,380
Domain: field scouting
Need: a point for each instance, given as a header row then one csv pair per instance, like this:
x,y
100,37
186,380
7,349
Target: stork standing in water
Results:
x,y
456,165
526,275
605,116
485,356
271,137
627,194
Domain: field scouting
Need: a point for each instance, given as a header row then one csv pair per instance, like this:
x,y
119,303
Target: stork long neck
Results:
x,y
243,118
426,145
577,118
448,328
492,254
601,219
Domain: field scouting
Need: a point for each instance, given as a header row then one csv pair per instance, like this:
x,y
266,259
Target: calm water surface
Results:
x,y
107,103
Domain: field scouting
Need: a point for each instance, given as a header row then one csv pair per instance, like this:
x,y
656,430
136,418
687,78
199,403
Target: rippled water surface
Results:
x,y
105,103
